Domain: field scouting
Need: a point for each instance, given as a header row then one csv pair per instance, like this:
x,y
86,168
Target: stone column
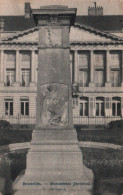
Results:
x,y
33,83
107,83
122,69
122,107
76,70
18,71
91,60
1,68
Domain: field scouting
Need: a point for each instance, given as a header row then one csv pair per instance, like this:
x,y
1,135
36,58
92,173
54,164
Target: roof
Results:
x,y
103,23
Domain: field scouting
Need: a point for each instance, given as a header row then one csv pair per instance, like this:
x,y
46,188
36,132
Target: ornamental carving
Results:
x,y
53,37
54,105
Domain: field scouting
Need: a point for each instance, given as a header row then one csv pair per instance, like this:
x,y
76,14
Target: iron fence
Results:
x,y
77,120
96,121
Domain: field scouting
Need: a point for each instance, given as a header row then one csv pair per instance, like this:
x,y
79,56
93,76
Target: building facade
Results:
x,y
96,63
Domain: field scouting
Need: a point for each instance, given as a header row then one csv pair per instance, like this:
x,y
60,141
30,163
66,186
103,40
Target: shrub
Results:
x,y
4,125
116,124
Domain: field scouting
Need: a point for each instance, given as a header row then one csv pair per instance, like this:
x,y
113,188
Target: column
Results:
x,y
76,72
107,84
91,84
122,107
33,83
17,83
122,69
2,68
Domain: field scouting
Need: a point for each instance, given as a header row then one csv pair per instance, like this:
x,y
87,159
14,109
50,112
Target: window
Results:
x,y
25,59
116,106
84,107
99,59
83,68
83,77
25,77
8,107
10,58
84,59
99,64
99,106
10,77
115,78
25,107
115,58
99,78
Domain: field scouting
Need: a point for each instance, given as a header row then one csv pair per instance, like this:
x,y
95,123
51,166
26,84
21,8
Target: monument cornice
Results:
x,y
54,15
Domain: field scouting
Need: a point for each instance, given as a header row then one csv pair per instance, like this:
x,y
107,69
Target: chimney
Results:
x,y
27,10
95,11
2,25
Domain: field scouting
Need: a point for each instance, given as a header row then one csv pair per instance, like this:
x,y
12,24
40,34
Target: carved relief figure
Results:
x,y
54,105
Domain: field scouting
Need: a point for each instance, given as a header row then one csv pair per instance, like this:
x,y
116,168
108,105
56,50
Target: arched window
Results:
x,y
84,106
116,106
99,106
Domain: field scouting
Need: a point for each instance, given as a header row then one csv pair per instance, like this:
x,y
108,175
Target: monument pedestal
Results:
x,y
54,162
55,165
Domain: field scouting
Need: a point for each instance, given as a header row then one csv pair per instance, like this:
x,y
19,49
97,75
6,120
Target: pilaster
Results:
x,y
122,68
91,84
33,83
17,83
76,67
107,84
1,68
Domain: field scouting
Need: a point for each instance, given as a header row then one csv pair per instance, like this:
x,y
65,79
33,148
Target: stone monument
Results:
x,y
54,162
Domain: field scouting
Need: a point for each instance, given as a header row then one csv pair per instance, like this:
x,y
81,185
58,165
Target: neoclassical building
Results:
x,y
96,62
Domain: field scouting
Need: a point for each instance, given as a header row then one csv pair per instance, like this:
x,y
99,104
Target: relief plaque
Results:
x,y
53,37
54,105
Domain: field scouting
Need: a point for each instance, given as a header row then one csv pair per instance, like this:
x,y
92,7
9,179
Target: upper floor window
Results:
x,y
99,59
83,77
115,77
99,68
10,58
99,77
115,58
9,107
10,77
25,77
84,59
25,59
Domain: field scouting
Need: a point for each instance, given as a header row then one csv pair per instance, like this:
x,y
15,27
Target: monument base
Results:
x,y
54,165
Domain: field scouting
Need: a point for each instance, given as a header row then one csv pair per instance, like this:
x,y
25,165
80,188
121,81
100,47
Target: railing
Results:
x,y
21,121
96,121
77,120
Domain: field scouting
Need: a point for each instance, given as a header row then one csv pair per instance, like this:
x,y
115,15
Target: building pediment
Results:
x,y
82,33
30,35
78,33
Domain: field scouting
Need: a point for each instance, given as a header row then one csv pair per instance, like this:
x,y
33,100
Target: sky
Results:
x,y
16,7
